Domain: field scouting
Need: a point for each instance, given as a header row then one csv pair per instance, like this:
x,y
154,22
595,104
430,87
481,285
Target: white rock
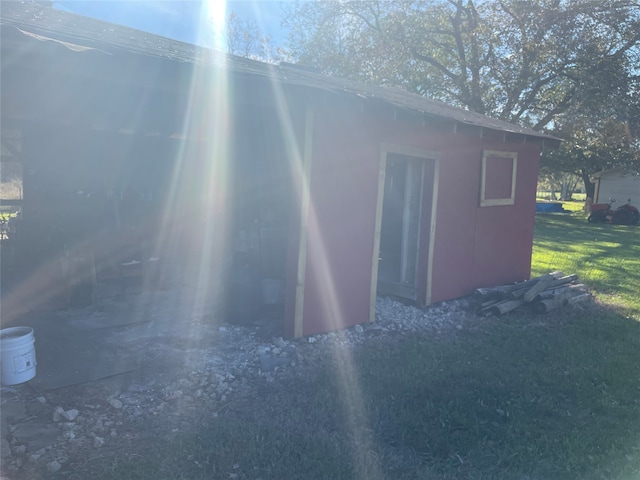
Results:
x,y
358,329
70,415
54,466
58,412
115,403
312,340
6,448
41,400
98,442
280,342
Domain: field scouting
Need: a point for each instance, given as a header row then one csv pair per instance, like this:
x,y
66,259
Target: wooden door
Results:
x,y
401,225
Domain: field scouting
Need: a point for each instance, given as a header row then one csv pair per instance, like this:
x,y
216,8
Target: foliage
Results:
x,y
570,67
245,39
564,183
520,61
599,135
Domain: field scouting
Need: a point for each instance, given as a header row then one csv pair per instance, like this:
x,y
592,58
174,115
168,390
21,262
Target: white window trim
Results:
x,y
491,202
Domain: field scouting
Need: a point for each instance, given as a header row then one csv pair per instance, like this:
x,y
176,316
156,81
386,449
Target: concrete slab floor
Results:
x,y
78,346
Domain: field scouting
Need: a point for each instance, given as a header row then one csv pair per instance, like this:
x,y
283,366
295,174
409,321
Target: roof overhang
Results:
x,y
79,35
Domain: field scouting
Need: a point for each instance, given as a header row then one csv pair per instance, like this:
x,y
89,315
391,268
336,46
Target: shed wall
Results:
x,y
344,181
474,246
619,187
482,246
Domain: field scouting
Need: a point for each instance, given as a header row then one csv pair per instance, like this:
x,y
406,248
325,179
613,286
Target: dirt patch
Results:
x,y
190,367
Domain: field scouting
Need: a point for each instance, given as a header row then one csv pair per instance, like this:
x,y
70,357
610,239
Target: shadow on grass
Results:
x,y
520,397
605,257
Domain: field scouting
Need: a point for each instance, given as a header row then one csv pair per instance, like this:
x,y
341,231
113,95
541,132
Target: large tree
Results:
x,y
534,62
244,38
595,141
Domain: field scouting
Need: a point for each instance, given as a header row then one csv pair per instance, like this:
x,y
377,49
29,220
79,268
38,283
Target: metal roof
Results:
x,y
77,32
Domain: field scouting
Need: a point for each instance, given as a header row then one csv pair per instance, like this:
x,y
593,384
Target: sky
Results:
x,y
190,21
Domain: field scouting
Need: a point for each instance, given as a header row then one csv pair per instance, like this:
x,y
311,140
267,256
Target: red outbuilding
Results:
x,y
272,188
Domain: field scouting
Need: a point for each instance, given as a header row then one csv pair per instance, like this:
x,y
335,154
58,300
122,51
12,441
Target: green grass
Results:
x,y
546,196
7,214
520,397
605,257
574,206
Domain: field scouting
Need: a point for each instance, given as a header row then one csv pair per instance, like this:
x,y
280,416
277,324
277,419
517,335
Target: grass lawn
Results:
x,y
606,257
520,397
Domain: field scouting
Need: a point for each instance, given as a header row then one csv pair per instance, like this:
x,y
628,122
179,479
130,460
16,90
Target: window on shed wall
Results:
x,y
498,178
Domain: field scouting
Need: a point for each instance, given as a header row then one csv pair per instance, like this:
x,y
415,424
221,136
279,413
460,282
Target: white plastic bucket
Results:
x,y
18,354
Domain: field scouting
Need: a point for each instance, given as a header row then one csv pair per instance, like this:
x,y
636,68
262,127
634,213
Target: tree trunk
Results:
x,y
589,187
564,195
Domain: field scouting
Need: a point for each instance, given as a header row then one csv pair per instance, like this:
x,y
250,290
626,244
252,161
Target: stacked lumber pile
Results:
x,y
541,294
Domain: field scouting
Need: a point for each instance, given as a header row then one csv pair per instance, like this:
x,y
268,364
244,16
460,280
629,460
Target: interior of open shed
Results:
x,y
108,212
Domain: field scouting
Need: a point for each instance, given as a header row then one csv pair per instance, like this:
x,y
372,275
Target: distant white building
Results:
x,y
617,185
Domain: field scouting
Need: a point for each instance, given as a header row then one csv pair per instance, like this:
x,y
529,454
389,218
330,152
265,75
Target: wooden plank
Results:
x,y
545,282
562,291
563,280
578,299
376,239
544,306
513,290
506,306
485,307
304,221
488,303
432,227
493,291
